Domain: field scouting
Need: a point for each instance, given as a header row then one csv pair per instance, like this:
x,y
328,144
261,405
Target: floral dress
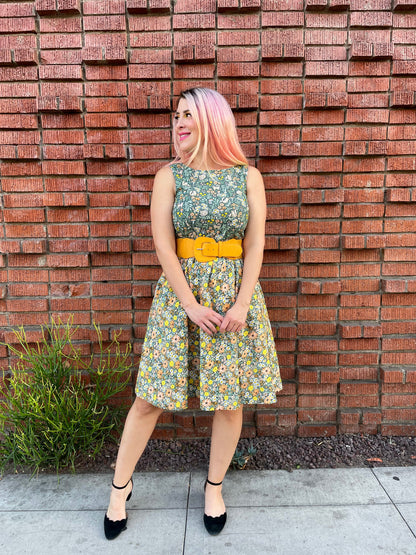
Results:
x,y
179,360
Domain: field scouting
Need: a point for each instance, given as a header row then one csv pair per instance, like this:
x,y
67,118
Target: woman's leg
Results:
x,y
140,423
226,430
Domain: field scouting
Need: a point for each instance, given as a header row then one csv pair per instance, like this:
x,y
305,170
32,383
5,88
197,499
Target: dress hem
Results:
x,y
182,408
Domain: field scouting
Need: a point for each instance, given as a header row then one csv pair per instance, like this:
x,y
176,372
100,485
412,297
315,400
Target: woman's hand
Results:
x,y
234,319
204,317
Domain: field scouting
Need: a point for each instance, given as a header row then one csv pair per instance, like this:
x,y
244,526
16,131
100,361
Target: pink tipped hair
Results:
x,y
217,131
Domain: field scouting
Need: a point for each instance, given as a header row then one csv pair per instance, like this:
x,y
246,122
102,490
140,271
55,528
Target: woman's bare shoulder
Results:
x,y
164,179
165,172
253,172
254,178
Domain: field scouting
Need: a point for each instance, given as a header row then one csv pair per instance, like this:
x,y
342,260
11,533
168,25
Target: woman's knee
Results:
x,y
143,408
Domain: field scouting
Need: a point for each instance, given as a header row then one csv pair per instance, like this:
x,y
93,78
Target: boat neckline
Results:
x,y
211,170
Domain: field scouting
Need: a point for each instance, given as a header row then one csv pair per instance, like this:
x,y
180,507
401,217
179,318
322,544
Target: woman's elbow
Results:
x,y
254,247
164,249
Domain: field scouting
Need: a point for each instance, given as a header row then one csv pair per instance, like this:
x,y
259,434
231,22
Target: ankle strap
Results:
x,y
119,487
213,483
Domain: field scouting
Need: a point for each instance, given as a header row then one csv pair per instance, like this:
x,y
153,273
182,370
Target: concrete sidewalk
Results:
x,y
326,511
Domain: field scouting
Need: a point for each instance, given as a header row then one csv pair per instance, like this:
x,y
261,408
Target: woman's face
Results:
x,y
185,127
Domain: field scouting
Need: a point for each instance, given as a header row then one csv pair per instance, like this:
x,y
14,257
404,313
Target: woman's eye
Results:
x,y
176,116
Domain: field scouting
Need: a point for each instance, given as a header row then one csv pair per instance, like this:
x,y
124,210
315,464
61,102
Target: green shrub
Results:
x,y
241,458
55,404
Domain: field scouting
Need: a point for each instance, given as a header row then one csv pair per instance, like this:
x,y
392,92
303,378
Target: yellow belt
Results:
x,y
205,249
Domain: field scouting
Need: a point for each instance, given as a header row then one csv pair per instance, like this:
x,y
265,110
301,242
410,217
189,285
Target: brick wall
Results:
x,y
324,93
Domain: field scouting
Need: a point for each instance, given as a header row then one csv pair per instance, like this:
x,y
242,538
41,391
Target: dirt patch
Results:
x,y
272,453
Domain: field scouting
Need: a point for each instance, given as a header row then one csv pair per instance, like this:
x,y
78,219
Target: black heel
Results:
x,y
214,524
113,528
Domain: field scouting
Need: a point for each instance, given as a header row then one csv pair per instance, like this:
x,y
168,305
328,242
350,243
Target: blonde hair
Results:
x,y
215,122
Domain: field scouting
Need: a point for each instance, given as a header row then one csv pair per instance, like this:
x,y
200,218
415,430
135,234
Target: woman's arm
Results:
x,y
163,197
253,244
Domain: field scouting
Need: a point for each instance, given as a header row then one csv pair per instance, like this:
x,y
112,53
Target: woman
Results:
x,y
208,333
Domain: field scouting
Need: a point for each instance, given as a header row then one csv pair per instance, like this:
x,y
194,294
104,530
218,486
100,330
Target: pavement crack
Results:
x,y
393,503
186,513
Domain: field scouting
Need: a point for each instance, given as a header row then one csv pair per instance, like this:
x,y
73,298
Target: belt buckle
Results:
x,y
205,249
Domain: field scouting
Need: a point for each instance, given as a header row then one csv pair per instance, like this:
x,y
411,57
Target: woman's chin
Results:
x,y
185,152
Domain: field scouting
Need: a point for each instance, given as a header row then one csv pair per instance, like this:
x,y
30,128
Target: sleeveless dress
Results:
x,y
179,360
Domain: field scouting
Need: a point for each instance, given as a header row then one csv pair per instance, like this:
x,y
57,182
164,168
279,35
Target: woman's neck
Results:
x,y
198,164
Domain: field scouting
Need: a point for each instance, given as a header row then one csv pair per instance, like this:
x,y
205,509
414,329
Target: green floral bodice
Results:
x,y
210,203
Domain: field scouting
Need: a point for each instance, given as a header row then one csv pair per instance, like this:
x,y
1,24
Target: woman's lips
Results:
x,y
183,136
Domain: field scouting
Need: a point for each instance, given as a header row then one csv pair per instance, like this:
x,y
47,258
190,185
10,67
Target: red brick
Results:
x,y
398,400
399,5
107,8
17,25
102,54
309,430
392,376
232,5
283,52
142,6
46,7
194,21
265,418
283,19
311,5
